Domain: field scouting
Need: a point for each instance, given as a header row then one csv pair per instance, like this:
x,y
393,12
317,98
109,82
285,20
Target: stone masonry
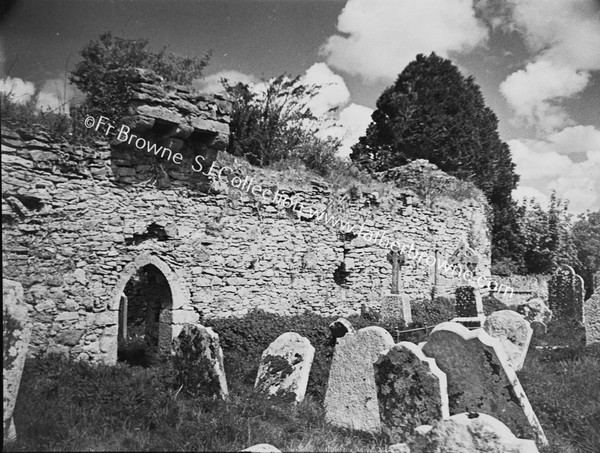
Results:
x,y
79,222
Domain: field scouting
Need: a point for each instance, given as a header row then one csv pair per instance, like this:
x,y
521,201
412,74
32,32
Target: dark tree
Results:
x,y
586,232
433,112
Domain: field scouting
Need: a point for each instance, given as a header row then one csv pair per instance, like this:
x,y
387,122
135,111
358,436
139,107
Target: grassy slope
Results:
x,y
71,407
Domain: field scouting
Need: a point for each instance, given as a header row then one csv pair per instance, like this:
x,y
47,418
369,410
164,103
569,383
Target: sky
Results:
x,y
536,61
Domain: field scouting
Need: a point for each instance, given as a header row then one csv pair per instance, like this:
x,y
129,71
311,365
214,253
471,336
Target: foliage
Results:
x,y
274,123
15,113
433,112
491,304
586,237
101,75
548,240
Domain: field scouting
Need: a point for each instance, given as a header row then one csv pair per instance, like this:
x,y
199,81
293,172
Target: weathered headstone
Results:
x,y
468,302
565,294
535,310
514,334
198,362
340,327
351,397
262,448
285,366
480,379
16,333
411,390
591,318
466,433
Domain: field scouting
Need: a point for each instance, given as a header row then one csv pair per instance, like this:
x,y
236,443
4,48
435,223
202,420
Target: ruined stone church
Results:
x,y
108,237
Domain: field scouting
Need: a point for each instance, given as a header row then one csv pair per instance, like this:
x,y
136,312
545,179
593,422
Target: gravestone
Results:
x,y
16,333
591,318
285,366
395,306
198,362
340,327
351,396
468,302
514,334
565,294
480,379
467,433
411,390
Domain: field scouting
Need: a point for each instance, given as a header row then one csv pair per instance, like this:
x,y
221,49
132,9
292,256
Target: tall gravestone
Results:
x,y
198,362
16,333
285,366
480,379
351,396
396,306
591,317
565,294
411,390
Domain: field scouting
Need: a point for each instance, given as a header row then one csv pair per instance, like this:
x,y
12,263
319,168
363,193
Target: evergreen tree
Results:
x,y
433,112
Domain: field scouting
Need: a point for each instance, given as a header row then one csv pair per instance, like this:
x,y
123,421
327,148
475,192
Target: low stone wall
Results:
x,y
524,287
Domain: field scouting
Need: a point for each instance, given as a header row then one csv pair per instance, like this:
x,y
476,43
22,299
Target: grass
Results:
x,y
70,406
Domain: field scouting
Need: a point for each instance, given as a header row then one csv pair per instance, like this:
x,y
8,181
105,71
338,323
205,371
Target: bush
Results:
x,y
491,304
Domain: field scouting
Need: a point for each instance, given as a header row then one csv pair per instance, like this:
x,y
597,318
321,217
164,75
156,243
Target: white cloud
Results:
x,y
532,92
212,83
333,92
564,37
55,96
544,166
19,90
383,36
351,124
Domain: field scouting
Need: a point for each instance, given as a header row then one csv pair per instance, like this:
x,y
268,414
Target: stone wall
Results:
x,y
79,222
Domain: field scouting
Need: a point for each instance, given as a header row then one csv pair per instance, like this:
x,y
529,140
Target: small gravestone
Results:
x,y
411,390
16,333
467,433
198,362
285,366
565,294
480,379
591,318
340,327
468,302
262,448
535,310
351,397
514,334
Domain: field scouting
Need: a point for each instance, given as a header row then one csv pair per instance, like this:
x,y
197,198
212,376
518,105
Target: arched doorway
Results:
x,y
143,317
145,296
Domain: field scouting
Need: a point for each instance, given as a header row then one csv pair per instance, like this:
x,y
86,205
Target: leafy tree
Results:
x,y
272,122
433,112
548,239
586,233
101,75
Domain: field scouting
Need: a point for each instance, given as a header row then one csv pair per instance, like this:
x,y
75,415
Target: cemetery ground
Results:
x,y
67,406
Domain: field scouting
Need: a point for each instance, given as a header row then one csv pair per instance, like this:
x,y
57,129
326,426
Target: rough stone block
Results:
x,y
591,318
411,390
535,310
16,333
198,362
351,396
396,307
285,366
480,379
468,433
514,334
